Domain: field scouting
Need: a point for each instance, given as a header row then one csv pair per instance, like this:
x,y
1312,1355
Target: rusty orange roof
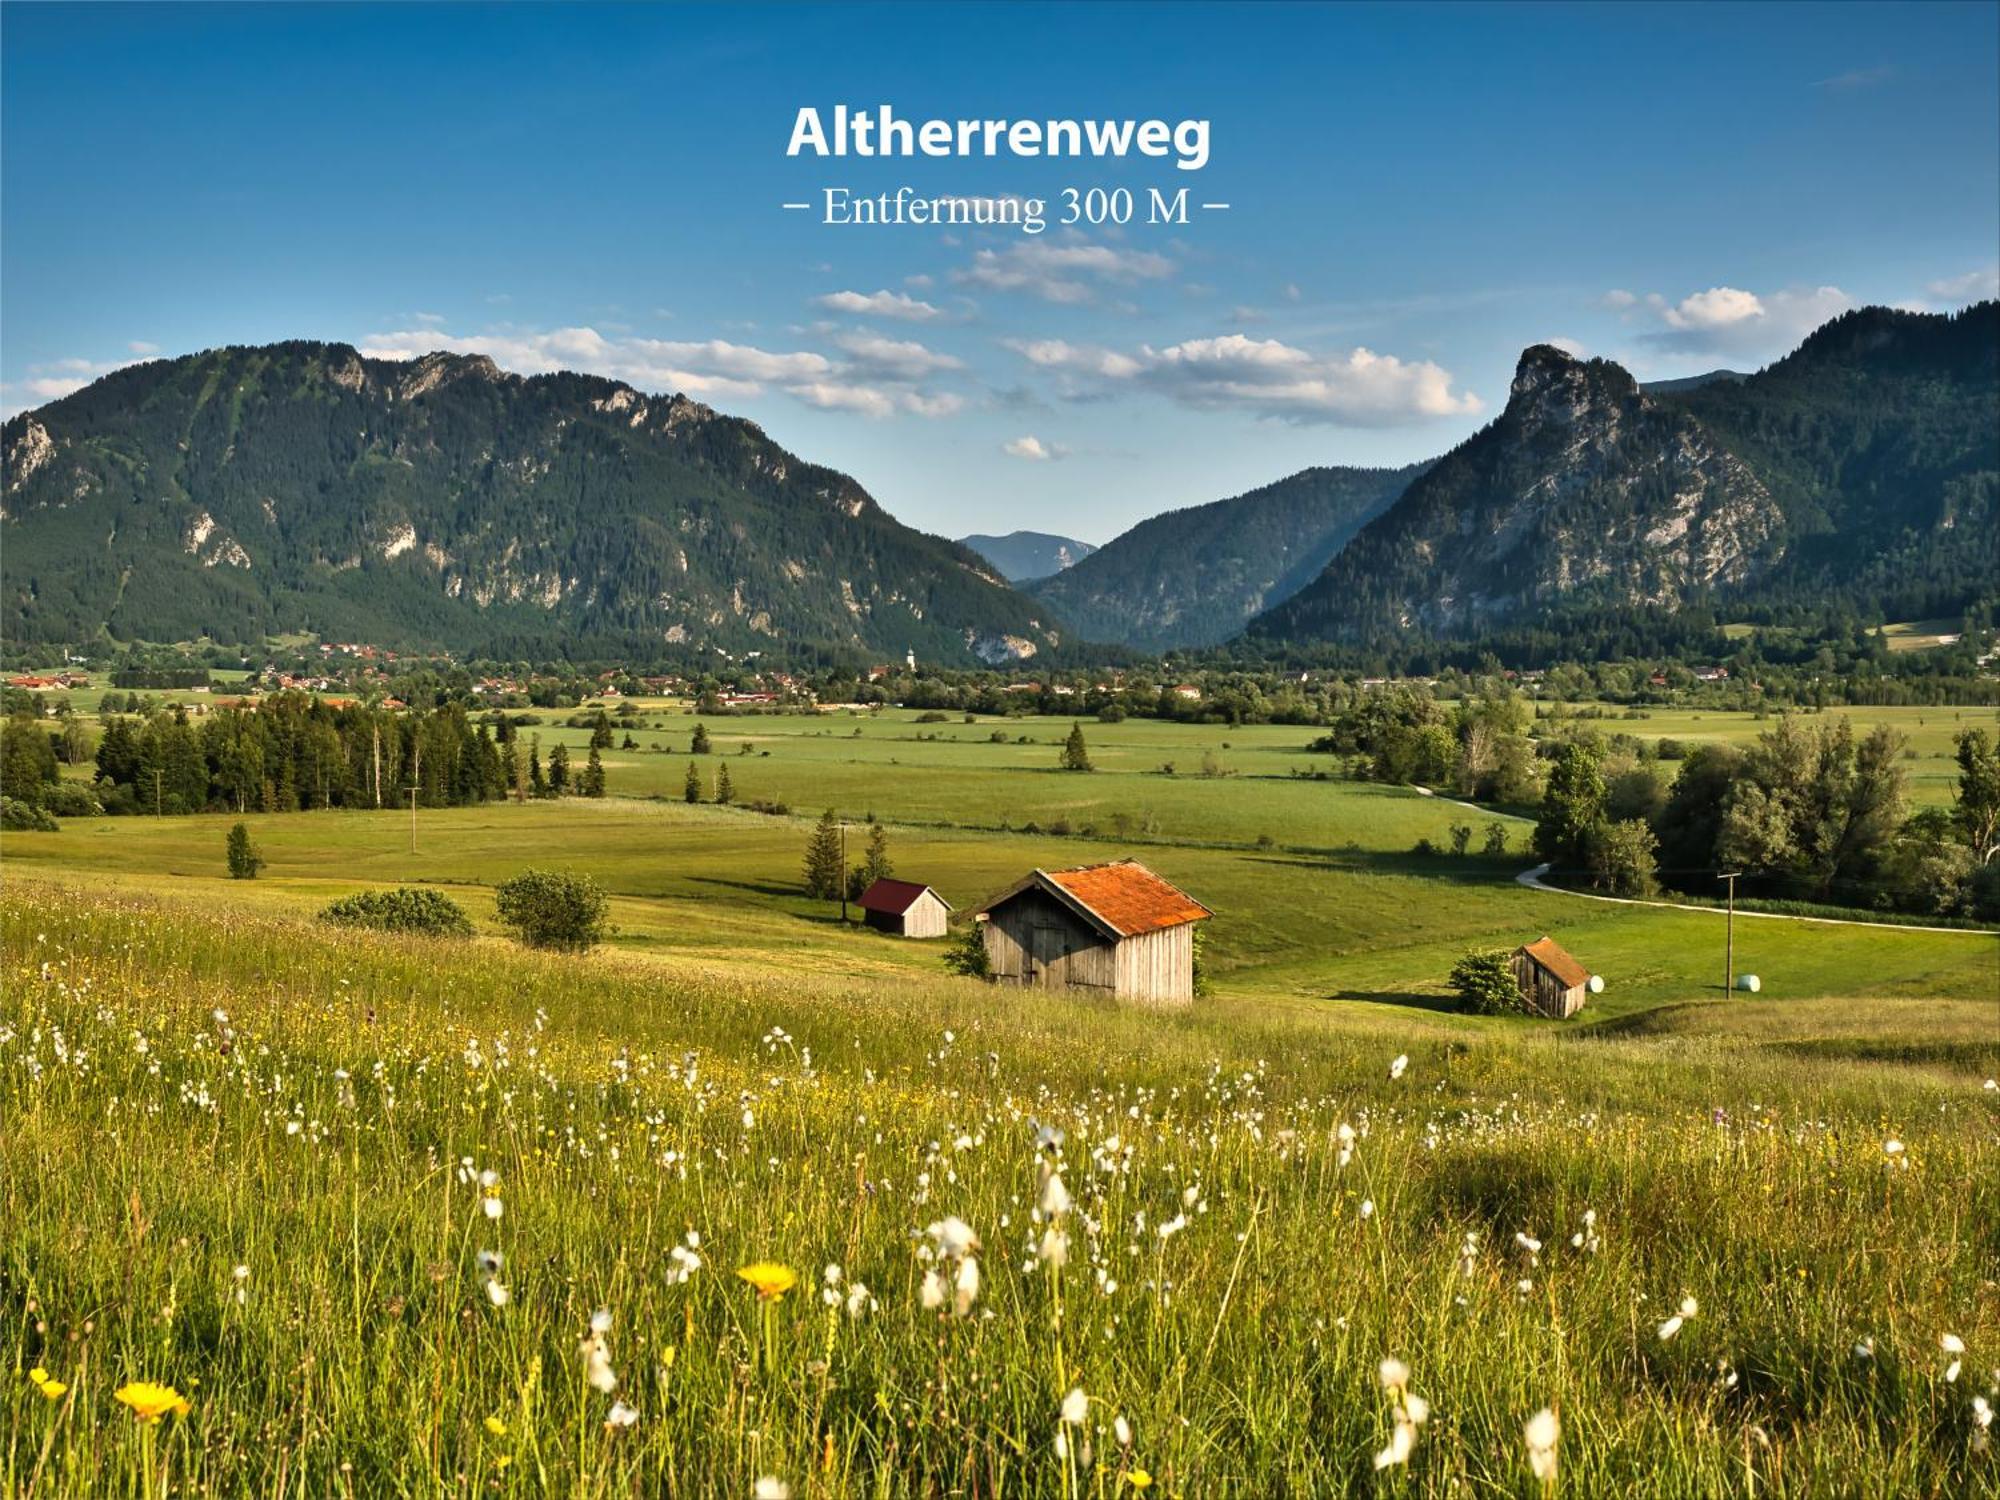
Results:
x,y
1551,956
1127,897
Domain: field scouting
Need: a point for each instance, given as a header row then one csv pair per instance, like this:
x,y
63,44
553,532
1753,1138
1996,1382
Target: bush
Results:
x,y
554,909
71,799
244,860
967,956
1484,982
405,909
17,816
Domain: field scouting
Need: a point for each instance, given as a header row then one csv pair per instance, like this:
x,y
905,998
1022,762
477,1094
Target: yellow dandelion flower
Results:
x,y
151,1401
495,1426
1139,1479
770,1279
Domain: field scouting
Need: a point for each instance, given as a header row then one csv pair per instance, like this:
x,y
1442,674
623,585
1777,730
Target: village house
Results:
x,y
1116,928
1552,982
905,909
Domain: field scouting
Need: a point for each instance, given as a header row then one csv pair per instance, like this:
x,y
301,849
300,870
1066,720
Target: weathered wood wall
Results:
x,y
1035,939
1546,995
1158,967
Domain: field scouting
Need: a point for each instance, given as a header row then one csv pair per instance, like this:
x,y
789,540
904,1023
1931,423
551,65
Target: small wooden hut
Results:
x,y
905,908
1116,928
1552,982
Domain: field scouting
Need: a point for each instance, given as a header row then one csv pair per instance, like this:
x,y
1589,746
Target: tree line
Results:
x,y
290,752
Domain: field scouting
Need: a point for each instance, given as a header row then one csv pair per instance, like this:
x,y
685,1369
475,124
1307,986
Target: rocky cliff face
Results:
x,y
441,501
1584,488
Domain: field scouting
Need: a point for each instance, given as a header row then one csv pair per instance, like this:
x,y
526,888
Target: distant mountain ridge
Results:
x,y
1023,556
1196,577
1862,471
439,501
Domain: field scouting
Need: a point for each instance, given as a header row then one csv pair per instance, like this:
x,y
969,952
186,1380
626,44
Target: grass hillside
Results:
x,y
254,1160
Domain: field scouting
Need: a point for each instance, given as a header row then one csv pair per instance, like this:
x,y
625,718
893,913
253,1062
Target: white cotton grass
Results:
x,y
770,1488
954,1243
1407,1412
620,1417
1399,1065
1673,1325
491,1263
1075,1407
596,1352
1540,1434
1953,1345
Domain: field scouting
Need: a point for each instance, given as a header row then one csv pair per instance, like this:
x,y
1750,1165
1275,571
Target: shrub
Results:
x,y
244,859
17,816
71,799
554,909
1484,982
967,956
405,909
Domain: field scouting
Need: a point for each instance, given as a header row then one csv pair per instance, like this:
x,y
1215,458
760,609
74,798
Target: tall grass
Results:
x,y
186,1093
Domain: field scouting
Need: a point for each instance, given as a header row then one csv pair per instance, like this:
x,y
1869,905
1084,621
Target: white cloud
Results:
x,y
1268,379
1063,273
879,377
143,349
1078,359
1973,286
1571,347
1618,298
1728,320
1857,78
53,380
1718,307
26,395
904,359
884,304
1032,448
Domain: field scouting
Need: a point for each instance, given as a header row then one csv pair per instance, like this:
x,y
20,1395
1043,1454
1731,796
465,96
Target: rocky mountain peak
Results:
x,y
1565,385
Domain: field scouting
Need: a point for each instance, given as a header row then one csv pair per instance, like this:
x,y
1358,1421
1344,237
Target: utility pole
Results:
x,y
1729,934
416,781
843,871
159,802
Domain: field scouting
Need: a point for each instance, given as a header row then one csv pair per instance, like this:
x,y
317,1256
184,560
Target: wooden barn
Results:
x,y
905,908
1117,928
1552,983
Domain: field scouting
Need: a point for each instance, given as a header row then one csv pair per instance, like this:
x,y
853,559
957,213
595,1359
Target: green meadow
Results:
x,y
357,1199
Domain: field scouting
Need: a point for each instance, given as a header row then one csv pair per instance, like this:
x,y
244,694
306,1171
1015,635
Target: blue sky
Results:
x,y
1416,194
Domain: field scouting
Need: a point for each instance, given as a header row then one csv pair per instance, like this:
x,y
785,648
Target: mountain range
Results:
x,y
300,487
1023,556
1861,472
1196,577
439,501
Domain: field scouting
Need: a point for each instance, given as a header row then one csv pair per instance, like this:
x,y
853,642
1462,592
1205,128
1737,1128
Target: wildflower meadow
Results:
x,y
291,1210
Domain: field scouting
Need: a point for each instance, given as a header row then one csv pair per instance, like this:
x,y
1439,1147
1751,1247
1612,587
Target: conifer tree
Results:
x,y
1075,756
823,873
699,744
593,774
600,731
537,783
725,789
691,789
558,770
875,863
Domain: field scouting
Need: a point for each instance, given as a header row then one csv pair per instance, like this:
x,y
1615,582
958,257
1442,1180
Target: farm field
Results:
x,y
244,1155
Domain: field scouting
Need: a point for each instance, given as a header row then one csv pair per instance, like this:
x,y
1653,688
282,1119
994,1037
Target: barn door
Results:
x,y
1045,951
